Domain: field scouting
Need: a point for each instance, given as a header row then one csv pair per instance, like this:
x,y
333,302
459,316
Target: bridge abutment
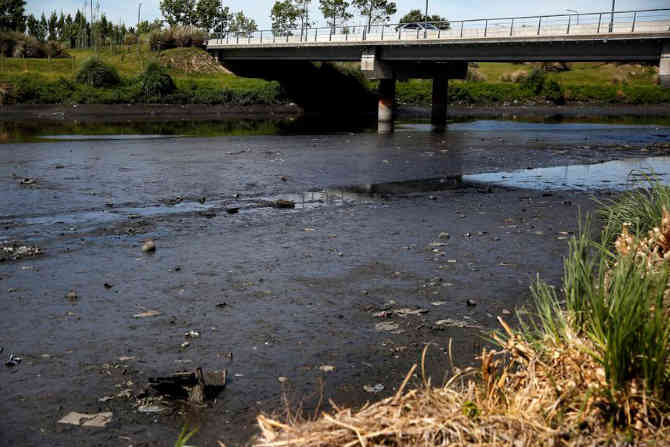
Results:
x,y
664,66
386,100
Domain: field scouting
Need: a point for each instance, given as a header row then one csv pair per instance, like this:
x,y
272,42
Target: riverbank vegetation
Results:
x,y
588,366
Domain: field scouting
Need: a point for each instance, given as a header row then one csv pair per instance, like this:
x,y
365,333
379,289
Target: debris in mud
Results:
x,y
283,204
13,361
282,379
202,200
327,368
232,210
471,303
27,181
194,386
466,322
72,296
444,235
87,420
172,202
374,388
146,314
221,305
388,326
185,345
404,312
14,252
152,408
149,246
208,214
192,334
108,285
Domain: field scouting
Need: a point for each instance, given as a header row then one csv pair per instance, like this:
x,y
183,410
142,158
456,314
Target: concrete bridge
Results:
x,y
442,50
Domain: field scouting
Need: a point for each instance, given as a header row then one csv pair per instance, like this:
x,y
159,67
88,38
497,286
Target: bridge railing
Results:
x,y
619,22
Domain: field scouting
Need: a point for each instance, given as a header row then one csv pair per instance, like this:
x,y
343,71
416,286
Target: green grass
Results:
x,y
612,299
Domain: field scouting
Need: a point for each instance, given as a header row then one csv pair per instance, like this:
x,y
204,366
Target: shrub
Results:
x,y
534,82
177,36
130,39
156,82
96,73
515,76
553,92
475,75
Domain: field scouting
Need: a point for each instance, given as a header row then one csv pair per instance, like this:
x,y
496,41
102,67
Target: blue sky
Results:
x,y
126,10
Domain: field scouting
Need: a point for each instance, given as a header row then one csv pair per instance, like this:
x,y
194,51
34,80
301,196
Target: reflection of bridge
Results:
x,y
442,51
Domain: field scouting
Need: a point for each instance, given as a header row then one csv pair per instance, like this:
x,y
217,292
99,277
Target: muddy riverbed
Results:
x,y
395,241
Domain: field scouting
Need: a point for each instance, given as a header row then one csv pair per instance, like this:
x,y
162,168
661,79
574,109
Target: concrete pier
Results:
x,y
386,100
664,66
440,92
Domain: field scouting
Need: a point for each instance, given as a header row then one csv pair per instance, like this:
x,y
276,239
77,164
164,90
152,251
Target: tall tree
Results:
x,y
13,15
284,15
416,16
178,12
334,10
376,10
210,14
42,29
242,24
52,26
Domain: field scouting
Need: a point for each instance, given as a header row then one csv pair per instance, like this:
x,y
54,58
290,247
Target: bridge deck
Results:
x,y
631,24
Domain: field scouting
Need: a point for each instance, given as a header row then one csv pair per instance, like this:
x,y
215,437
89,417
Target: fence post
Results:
x,y
462,22
632,29
569,20
261,37
486,26
600,19
383,32
511,29
539,25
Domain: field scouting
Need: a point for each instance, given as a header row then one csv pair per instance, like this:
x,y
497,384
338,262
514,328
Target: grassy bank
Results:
x,y
578,82
590,364
200,79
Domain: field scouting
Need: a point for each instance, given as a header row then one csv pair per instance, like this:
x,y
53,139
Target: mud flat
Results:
x,y
391,242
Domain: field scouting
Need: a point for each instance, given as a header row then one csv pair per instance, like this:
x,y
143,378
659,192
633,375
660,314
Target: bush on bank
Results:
x,y
32,89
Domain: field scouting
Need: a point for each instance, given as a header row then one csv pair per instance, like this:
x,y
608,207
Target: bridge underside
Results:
x,y
388,61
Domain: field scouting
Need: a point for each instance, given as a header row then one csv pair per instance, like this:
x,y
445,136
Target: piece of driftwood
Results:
x,y
195,386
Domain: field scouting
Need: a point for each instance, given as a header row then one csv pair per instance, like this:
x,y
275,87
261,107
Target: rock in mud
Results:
x,y
444,235
149,246
284,204
471,303
232,210
15,251
374,388
72,296
87,420
194,386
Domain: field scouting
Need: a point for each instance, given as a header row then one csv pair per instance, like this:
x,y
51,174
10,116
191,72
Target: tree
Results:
x,y
284,15
178,12
416,16
52,25
376,10
242,24
210,14
12,15
333,10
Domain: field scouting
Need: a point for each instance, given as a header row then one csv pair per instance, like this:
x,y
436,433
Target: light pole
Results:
x,y
612,17
576,14
139,9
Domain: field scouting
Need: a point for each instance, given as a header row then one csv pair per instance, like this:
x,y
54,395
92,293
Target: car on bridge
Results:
x,y
416,26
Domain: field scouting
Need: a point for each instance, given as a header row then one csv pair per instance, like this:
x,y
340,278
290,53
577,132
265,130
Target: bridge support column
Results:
x,y
664,66
439,112
386,100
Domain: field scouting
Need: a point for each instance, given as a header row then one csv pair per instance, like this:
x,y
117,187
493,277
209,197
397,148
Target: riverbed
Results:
x,y
393,242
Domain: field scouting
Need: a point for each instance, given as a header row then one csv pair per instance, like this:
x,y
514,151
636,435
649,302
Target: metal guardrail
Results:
x,y
619,22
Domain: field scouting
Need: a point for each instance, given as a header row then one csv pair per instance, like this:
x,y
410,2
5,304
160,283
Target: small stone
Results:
x,y
432,197
444,235
282,379
72,296
107,285
471,303
506,312
149,246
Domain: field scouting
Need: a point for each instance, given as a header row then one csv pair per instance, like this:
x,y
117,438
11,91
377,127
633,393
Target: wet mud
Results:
x,y
392,242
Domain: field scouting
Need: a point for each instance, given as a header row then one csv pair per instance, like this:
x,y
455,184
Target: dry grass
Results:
x,y
520,396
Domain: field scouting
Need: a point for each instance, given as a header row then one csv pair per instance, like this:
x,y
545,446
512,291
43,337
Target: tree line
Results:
x,y
291,15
